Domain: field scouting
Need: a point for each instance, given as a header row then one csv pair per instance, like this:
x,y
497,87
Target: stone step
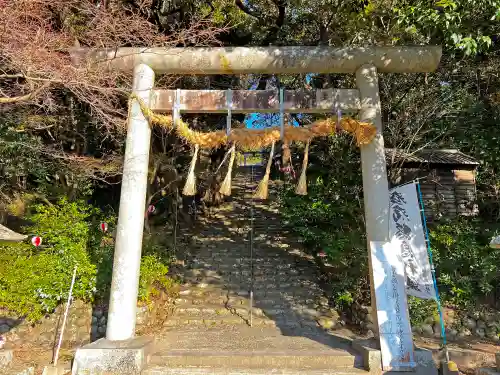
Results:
x,y
258,272
268,267
201,272
237,302
258,349
221,310
270,306
233,285
232,267
214,321
18,370
267,263
269,303
215,256
291,295
238,254
262,359
325,318
284,251
227,301
259,283
169,370
246,262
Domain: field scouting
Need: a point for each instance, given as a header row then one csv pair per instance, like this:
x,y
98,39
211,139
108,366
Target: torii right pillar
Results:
x,y
373,166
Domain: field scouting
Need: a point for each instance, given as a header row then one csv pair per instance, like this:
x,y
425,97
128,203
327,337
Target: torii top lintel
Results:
x,y
245,60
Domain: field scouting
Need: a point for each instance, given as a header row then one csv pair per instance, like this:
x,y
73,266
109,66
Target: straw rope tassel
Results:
x,y
190,186
302,185
225,188
287,155
262,189
257,138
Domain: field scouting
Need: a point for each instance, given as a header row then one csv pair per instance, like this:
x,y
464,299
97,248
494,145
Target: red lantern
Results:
x,y
36,241
322,254
103,227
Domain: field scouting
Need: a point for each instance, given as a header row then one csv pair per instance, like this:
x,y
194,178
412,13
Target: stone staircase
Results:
x,y
246,309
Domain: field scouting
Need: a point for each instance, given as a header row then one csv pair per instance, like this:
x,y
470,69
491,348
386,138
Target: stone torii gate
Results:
x,y
145,62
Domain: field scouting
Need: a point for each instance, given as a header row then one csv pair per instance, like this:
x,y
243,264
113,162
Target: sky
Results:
x,y
259,120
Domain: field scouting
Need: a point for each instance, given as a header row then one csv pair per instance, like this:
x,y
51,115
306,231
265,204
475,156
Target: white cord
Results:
x,y
176,112
56,356
282,114
251,251
229,104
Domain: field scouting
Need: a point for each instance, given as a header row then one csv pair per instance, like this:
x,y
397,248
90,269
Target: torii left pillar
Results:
x,y
121,352
129,231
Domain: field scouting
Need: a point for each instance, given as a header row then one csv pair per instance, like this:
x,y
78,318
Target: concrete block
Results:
x,y
19,371
56,370
487,371
6,356
105,357
372,359
425,362
370,352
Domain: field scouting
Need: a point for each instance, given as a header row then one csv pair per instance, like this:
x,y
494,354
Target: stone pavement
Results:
x,y
216,328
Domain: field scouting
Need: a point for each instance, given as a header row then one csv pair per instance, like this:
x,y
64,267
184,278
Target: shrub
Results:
x,y
466,266
421,310
153,277
330,219
33,281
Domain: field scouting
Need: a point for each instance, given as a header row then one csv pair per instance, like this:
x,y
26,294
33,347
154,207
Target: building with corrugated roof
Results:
x,y
447,179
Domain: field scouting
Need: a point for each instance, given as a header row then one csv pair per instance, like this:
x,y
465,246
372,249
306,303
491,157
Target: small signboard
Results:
x,y
396,341
405,225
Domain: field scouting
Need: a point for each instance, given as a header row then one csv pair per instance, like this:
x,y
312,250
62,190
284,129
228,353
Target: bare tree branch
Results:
x,y
23,98
37,36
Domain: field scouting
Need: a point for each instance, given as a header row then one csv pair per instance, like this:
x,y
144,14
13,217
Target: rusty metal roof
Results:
x,y
429,156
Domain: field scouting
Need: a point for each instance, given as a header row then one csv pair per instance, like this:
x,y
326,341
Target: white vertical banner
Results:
x,y
396,340
405,225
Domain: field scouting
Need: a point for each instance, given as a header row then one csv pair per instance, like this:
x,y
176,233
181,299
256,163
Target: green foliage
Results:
x,y
28,164
421,310
466,267
156,255
153,277
465,26
19,156
33,281
330,217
